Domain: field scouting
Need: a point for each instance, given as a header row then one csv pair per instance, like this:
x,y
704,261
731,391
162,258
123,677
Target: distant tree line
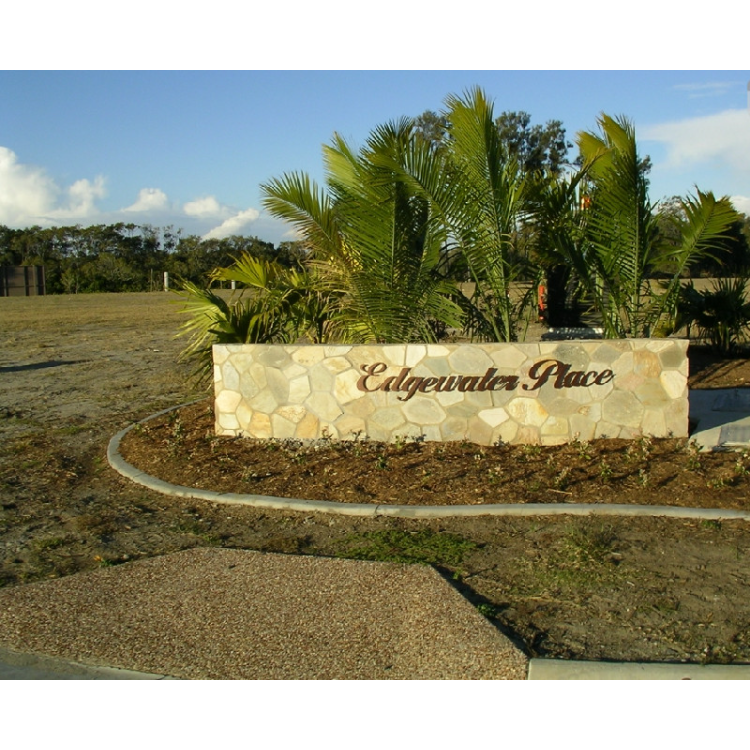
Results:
x,y
129,257
133,257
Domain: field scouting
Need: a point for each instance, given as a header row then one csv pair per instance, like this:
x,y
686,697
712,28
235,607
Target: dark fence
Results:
x,y
22,281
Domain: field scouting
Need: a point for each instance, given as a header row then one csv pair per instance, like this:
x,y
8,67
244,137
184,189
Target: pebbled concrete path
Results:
x,y
235,614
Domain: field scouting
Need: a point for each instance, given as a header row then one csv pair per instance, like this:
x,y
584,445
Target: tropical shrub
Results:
x,y
488,202
721,314
376,244
612,239
274,305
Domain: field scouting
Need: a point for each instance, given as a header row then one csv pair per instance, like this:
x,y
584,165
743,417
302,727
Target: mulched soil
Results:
x,y
181,448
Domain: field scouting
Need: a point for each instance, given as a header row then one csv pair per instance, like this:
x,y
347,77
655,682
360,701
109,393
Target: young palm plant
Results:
x,y
616,251
376,244
490,199
721,314
480,195
274,305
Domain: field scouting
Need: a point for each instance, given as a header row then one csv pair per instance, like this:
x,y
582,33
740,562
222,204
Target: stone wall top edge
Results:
x,y
634,343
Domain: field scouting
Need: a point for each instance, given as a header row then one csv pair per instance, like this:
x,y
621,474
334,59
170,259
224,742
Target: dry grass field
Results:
x,y
75,370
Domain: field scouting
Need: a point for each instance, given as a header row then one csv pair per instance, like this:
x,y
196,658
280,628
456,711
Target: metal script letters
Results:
x,y
551,371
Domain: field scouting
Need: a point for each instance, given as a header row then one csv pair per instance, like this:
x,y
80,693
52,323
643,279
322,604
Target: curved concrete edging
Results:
x,y
119,464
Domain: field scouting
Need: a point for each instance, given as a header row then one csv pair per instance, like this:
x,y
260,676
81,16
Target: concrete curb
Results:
x,y
559,669
21,666
119,464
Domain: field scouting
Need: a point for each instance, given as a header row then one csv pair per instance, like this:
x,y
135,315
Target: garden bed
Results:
x,y
180,447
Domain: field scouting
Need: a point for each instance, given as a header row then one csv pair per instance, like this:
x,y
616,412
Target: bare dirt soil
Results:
x,y
75,370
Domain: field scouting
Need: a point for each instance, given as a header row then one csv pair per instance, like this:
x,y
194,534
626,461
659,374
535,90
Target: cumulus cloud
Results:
x,y
723,137
741,203
205,208
149,199
233,225
27,193
82,196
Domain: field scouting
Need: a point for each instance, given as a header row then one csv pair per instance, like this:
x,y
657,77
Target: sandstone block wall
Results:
x,y
541,393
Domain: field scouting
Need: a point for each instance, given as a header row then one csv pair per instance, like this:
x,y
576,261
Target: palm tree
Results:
x,y
490,201
480,195
376,244
275,305
614,249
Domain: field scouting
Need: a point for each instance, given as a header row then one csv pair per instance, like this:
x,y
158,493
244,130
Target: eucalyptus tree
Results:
x,y
376,242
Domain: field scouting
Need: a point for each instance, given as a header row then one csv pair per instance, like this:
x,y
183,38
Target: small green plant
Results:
x,y
382,461
591,541
486,610
103,562
740,465
584,449
605,471
356,444
176,431
495,475
712,525
693,452
49,543
645,445
643,477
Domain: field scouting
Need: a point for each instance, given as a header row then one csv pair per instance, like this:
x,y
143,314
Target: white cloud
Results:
x,y
27,193
723,137
741,203
205,208
82,197
148,200
712,88
232,225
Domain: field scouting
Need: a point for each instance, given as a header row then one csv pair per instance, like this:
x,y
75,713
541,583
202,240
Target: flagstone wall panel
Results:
x,y
544,393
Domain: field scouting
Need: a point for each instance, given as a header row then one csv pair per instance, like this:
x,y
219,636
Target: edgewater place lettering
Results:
x,y
559,374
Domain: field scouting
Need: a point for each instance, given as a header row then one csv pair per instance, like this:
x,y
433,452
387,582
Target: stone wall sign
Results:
x,y
547,392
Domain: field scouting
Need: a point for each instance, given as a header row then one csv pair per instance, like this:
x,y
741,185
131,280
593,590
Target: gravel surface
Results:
x,y
235,614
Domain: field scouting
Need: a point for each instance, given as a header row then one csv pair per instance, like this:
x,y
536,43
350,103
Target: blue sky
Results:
x,y
192,148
